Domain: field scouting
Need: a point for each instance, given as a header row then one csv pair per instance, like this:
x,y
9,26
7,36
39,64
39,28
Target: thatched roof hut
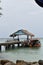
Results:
x,y
22,32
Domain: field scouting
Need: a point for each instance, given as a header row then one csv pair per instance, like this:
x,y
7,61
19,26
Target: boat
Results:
x,y
34,43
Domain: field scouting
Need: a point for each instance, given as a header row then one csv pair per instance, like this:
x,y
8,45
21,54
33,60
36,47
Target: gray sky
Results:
x,y
21,14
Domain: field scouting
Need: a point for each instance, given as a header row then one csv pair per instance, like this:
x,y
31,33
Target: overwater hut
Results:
x,y
22,32
29,42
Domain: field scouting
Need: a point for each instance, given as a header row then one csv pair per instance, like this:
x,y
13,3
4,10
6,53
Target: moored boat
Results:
x,y
34,43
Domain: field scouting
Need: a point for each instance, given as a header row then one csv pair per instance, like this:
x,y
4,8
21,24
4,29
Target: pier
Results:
x,y
9,45
28,42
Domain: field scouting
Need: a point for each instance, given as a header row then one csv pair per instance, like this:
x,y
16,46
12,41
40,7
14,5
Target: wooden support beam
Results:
x,y
7,47
18,37
13,37
18,45
0,48
13,46
27,38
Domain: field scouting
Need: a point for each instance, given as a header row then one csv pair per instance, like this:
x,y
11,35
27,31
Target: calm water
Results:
x,y
27,54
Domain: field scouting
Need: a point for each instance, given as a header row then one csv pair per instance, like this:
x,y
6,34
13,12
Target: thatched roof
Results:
x,y
21,32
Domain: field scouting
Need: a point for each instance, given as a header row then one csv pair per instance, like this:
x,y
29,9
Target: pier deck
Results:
x,y
8,45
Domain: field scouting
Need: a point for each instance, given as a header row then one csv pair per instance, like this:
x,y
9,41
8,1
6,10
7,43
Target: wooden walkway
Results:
x,y
11,43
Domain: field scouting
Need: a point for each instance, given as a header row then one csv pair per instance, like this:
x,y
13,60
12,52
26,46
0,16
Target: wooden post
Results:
x,y
18,37
0,48
13,46
18,45
27,38
13,37
31,37
6,47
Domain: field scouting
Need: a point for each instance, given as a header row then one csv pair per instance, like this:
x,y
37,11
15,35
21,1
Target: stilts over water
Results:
x,y
30,41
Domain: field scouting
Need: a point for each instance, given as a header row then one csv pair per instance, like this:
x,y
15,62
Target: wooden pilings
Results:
x,y
13,46
7,47
0,47
18,45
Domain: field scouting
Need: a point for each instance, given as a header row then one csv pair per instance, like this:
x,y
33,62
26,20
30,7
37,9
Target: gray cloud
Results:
x,y
21,14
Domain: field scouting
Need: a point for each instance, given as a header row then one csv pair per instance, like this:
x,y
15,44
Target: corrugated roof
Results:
x,y
21,32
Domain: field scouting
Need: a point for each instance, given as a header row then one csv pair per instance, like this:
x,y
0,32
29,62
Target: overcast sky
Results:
x,y
21,14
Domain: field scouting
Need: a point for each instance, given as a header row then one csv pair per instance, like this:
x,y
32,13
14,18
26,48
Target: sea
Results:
x,y
26,54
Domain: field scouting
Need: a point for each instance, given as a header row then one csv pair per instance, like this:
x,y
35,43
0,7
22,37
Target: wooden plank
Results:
x,y
10,43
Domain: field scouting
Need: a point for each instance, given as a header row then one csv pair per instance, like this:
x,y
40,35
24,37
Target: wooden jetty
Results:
x,y
9,44
17,33
27,42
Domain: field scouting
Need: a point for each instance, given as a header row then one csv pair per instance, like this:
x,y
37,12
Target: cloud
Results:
x,y
18,14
